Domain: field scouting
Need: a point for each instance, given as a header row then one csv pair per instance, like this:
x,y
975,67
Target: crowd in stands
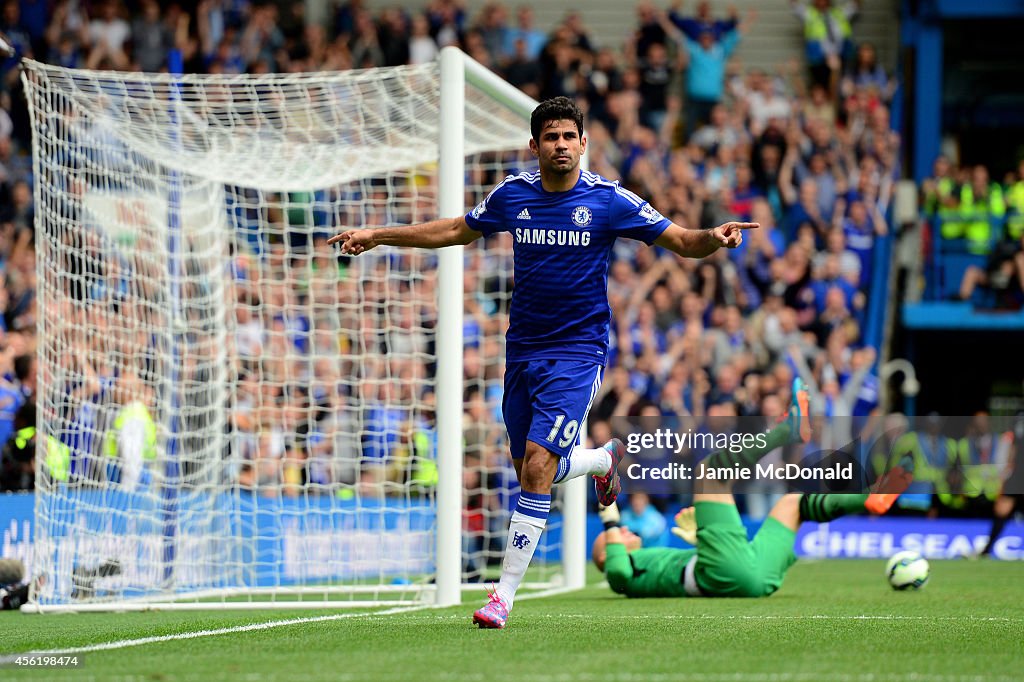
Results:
x,y
975,240
671,114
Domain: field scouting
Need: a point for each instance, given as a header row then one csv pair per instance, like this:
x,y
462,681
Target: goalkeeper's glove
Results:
x,y
686,526
609,515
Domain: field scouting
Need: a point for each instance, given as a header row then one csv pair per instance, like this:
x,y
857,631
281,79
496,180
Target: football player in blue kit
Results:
x,y
564,222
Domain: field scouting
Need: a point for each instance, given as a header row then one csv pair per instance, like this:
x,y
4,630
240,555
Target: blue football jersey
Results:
x,y
562,246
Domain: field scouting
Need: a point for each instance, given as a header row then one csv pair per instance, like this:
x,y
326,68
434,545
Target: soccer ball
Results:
x,y
907,571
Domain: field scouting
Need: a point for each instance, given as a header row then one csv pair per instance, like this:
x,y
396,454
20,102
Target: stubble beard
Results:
x,y
555,169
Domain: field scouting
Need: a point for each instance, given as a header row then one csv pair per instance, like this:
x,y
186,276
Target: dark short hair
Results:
x,y
22,366
26,415
555,109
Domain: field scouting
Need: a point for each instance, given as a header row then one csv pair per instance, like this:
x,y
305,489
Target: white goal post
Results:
x,y
230,414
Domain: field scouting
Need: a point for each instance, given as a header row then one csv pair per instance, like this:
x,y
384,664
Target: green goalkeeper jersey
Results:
x,y
652,572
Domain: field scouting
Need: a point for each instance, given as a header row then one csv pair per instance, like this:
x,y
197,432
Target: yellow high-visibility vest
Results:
x,y
58,455
951,227
910,444
425,472
133,411
23,436
58,459
978,479
977,217
816,26
1015,218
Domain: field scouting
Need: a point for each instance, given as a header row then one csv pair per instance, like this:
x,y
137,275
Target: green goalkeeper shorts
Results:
x,y
730,566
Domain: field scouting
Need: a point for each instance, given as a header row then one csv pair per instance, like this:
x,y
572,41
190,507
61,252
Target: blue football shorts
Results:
x,y
547,401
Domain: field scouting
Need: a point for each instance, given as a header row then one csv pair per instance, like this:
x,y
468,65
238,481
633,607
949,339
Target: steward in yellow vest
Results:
x,y
1015,206
980,213
132,442
17,472
824,23
938,200
977,467
932,453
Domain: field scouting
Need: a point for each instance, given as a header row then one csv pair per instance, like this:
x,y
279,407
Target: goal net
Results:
x,y
230,413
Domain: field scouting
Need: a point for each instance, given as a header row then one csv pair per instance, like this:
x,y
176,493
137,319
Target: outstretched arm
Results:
x,y
796,354
617,568
701,243
433,235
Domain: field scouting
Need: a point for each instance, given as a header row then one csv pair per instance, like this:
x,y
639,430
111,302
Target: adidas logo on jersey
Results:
x,y
523,215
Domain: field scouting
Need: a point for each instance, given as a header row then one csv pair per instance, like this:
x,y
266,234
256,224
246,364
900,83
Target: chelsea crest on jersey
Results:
x,y
562,248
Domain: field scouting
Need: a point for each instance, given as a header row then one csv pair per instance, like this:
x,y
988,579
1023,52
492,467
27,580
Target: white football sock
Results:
x,y
583,462
524,531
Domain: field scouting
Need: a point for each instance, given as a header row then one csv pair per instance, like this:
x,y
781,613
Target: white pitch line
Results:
x,y
126,643
252,627
157,639
894,617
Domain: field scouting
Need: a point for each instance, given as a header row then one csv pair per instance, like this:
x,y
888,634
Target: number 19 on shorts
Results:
x,y
568,433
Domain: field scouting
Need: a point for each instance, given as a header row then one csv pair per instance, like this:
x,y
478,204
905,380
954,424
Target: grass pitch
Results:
x,y
832,620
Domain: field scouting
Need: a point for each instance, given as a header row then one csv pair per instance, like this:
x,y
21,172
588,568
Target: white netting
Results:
x,y
226,406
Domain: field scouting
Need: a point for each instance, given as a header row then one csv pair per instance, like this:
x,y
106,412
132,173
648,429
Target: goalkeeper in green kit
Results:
x,y
725,563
